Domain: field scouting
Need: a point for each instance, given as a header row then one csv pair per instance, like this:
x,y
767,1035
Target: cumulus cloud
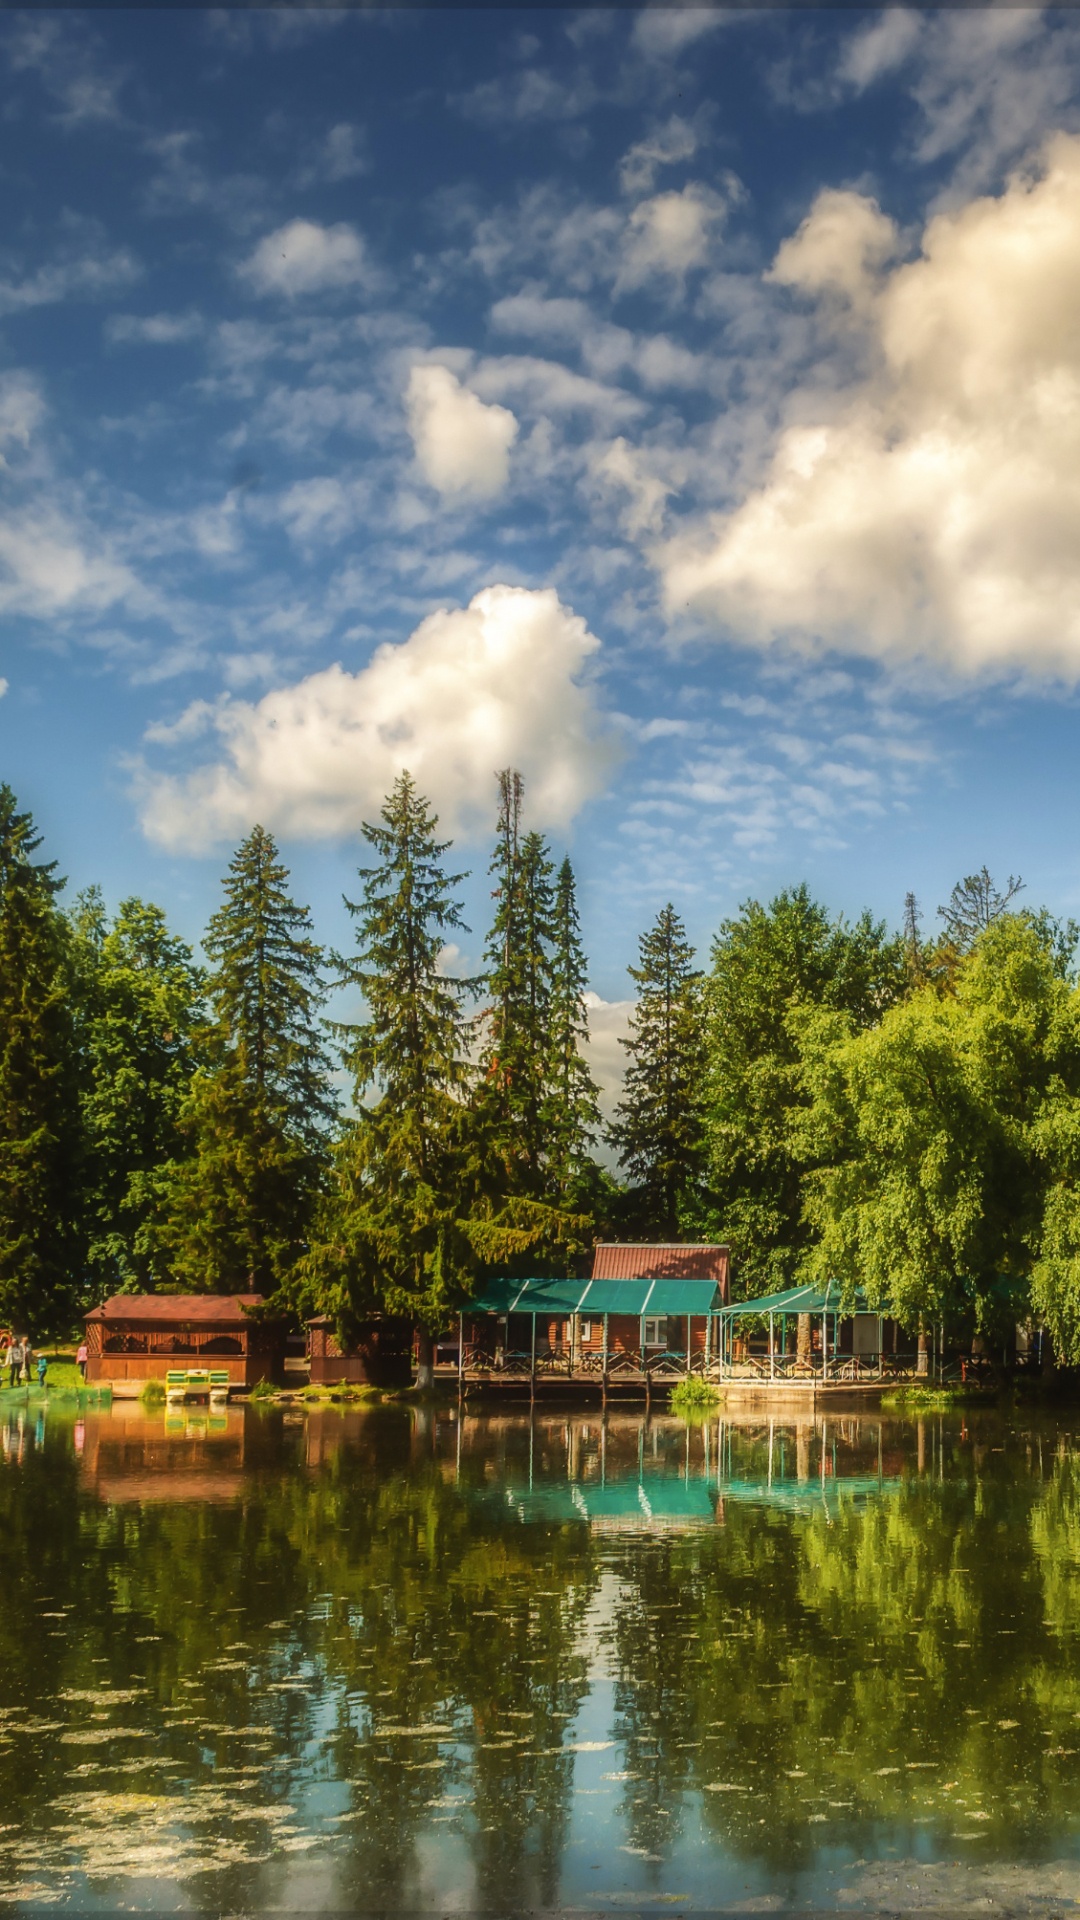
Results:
x,y
669,234
303,257
3,688
609,1024
933,510
497,683
462,444
22,409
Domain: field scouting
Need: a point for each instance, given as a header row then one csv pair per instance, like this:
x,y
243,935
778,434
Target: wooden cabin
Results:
x,y
137,1337
380,1356
645,1307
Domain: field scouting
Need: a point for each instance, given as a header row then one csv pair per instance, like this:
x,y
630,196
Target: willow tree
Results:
x,y
141,1001
255,1121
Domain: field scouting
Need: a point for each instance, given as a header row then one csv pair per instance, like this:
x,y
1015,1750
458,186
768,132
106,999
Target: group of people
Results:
x,y
18,1357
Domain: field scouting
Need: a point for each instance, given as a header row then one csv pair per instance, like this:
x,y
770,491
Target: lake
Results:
x,y
394,1658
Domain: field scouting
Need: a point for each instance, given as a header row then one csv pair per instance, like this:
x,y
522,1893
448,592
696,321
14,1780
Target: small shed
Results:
x,y
136,1337
380,1355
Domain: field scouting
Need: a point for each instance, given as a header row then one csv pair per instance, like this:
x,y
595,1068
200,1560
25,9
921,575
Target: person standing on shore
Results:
x,y
28,1359
42,1370
80,1360
16,1354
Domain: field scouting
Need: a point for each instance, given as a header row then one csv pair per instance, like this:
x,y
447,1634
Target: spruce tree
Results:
x,y
140,1002
257,1115
41,1266
658,1134
573,1110
395,1230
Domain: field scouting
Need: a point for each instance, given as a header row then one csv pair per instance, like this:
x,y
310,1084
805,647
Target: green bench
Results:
x,y
213,1380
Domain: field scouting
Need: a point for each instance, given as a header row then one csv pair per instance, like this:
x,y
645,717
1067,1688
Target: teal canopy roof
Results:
x,y
596,1297
801,1300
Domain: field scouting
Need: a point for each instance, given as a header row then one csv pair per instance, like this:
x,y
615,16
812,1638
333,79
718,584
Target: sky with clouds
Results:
x,y
681,406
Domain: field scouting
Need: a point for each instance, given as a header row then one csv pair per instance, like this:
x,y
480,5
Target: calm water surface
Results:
x,y
392,1658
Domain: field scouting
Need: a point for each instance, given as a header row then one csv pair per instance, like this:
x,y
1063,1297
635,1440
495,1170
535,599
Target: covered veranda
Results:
x,y
809,1334
608,1333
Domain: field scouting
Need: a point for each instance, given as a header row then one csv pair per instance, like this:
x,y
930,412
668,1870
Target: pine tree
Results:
x,y
393,1235
659,1132
40,1176
573,1109
523,1146
515,1057
140,1002
257,1116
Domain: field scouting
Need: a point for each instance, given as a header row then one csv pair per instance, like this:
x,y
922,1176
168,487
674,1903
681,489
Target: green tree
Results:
x,y
140,1003
659,1130
932,1133
257,1115
574,1112
512,1101
41,1250
395,1230
771,967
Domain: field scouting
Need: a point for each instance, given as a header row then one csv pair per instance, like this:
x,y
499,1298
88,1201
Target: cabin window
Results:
x,y
654,1330
586,1332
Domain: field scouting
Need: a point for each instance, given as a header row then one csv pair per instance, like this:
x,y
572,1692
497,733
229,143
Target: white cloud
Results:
x,y
152,329
609,1024
669,234
303,257
678,140
46,570
840,248
83,277
462,445
3,688
932,511
22,409
497,683
665,30
878,48
340,156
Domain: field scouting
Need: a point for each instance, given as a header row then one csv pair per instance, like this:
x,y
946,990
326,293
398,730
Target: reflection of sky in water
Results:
x,y
391,1658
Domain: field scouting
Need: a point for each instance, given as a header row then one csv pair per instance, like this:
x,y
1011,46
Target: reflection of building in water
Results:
x,y
131,1454
622,1474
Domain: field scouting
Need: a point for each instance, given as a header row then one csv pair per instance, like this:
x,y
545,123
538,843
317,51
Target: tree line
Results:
x,y
898,1111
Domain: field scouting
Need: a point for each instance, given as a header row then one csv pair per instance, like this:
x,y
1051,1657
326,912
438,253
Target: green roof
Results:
x,y
802,1300
596,1297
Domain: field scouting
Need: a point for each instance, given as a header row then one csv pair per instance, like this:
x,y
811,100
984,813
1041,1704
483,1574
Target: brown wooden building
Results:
x,y
136,1337
380,1356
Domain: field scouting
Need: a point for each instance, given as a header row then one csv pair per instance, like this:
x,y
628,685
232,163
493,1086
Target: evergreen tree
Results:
x,y
515,1057
41,1276
573,1110
659,1132
393,1234
140,1001
258,1111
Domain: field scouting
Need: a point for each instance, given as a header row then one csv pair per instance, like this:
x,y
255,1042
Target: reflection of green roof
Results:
x,y
595,1297
803,1300
658,1500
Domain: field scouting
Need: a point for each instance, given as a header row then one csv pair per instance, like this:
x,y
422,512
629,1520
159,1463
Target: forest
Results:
x,y
894,1110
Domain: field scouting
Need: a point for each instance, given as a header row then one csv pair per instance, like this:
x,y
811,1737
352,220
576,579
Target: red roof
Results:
x,y
656,1260
168,1309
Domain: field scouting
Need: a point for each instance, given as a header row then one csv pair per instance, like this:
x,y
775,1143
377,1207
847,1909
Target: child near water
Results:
x,y
42,1369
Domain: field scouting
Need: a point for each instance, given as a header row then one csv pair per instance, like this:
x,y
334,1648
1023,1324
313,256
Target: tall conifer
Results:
x,y
574,1113
40,1174
393,1231
258,1111
659,1129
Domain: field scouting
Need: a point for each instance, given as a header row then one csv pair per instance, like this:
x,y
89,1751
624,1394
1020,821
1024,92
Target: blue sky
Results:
x,y
684,407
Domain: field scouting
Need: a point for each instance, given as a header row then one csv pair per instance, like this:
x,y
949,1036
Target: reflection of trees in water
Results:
x,y
353,1562
806,1661
904,1660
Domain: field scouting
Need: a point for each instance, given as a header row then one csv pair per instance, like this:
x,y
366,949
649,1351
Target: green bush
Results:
x,y
693,1396
153,1393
